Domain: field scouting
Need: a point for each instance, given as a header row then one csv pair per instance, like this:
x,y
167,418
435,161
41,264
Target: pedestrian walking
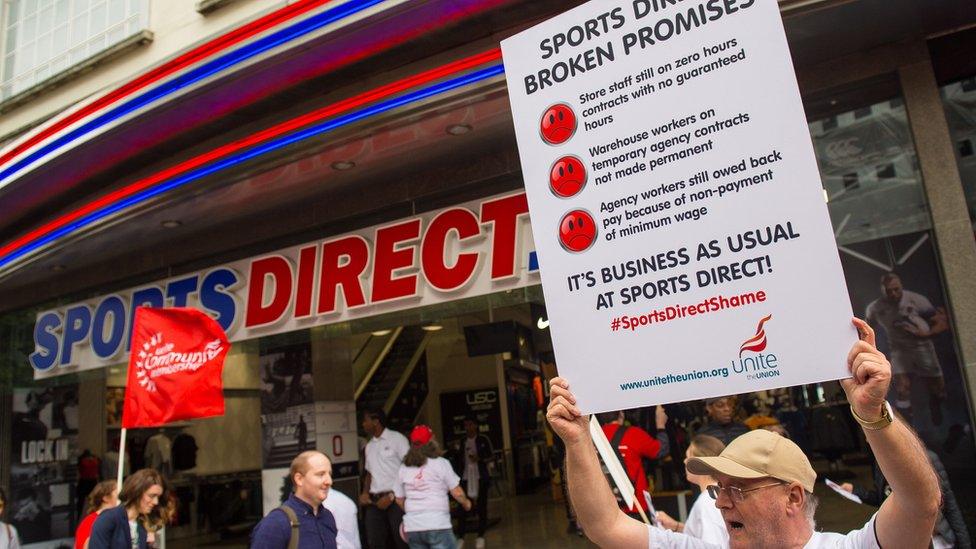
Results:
x,y
471,464
122,527
423,483
302,522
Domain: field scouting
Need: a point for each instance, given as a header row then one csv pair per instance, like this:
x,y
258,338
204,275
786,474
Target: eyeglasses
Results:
x,y
735,493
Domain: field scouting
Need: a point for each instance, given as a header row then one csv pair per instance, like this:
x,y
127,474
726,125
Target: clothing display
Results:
x,y
159,453
184,452
830,431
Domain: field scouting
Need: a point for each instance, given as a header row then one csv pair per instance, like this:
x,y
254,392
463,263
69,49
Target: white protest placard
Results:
x,y
678,214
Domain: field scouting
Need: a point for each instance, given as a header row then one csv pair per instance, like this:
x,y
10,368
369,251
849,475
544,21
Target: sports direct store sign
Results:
x,y
467,250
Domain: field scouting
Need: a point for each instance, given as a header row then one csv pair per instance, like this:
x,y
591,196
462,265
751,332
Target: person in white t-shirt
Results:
x,y
705,521
347,519
764,482
423,483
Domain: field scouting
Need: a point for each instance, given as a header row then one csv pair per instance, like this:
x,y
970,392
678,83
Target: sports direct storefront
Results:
x,y
468,250
315,331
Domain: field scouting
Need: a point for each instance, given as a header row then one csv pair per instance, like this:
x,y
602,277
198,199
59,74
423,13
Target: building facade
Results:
x,y
337,184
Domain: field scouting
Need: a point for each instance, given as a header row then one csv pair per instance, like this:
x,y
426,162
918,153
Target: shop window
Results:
x,y
881,221
44,38
959,100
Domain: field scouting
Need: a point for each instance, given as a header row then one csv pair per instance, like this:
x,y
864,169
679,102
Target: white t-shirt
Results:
x,y
705,522
346,516
384,455
134,533
8,536
425,490
865,538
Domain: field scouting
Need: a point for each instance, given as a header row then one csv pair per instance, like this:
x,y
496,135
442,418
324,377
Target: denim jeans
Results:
x,y
431,539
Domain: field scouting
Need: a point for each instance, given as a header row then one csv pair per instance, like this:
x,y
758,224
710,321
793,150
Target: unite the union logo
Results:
x,y
756,343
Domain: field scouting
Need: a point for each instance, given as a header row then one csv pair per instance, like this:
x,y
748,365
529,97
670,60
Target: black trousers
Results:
x,y
383,527
480,507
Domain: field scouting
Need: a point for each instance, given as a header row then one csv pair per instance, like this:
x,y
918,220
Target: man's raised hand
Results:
x,y
563,415
871,374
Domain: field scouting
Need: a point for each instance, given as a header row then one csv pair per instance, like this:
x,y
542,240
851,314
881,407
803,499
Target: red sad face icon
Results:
x,y
577,231
558,124
567,177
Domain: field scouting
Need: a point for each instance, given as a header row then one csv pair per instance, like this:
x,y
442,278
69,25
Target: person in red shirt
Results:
x,y
104,496
635,445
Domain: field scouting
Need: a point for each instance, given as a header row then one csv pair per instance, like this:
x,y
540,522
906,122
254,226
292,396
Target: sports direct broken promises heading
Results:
x,y
597,29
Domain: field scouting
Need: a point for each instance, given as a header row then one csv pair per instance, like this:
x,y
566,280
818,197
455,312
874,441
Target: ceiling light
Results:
x,y
432,327
459,129
381,333
171,224
343,165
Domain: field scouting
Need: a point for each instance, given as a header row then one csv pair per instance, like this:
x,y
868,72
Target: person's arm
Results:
x,y
669,523
661,422
399,493
596,509
908,515
459,496
364,498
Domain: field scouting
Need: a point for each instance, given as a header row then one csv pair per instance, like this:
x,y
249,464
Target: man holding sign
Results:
x,y
760,461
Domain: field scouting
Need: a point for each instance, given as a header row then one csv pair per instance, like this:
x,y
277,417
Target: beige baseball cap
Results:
x,y
759,454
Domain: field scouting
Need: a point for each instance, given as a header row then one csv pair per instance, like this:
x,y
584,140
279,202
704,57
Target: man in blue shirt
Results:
x,y
311,475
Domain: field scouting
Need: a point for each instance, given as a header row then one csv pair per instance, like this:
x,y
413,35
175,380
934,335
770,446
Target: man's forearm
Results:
x,y
596,508
902,458
915,494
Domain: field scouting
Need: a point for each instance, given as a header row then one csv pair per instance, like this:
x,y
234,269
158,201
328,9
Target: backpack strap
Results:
x,y
618,437
293,520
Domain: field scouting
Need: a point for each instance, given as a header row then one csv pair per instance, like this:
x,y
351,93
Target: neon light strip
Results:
x,y
200,52
280,129
236,159
213,67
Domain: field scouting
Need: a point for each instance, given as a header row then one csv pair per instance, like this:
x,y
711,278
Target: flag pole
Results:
x,y
118,478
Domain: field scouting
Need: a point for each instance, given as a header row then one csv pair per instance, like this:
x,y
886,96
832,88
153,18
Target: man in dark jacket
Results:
x,y
311,475
721,423
470,462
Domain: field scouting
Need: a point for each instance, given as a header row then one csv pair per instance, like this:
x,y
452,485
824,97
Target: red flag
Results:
x,y
175,367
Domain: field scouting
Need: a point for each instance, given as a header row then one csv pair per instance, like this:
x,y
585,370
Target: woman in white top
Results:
x,y
705,521
423,483
8,534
